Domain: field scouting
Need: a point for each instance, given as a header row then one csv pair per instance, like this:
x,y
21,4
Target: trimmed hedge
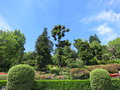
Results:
x,y
20,77
59,84
116,84
3,83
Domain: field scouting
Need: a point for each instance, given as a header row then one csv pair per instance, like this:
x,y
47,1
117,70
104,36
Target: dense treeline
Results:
x,y
88,52
11,48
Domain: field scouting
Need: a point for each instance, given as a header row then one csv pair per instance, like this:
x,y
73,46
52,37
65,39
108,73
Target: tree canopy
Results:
x,y
43,47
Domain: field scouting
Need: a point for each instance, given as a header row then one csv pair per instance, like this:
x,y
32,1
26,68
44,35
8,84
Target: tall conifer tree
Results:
x,y
43,48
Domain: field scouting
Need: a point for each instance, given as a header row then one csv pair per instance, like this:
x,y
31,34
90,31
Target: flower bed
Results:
x,y
2,73
114,75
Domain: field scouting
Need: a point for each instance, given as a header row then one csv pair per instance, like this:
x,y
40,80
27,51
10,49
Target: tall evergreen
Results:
x,y
43,48
94,38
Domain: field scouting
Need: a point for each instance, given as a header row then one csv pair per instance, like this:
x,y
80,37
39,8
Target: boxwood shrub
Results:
x,y
20,77
100,80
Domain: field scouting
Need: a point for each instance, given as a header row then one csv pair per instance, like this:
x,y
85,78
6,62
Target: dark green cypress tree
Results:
x,y
43,48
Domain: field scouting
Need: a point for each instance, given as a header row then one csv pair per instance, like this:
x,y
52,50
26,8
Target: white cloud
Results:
x,y
108,16
106,24
4,24
106,33
103,29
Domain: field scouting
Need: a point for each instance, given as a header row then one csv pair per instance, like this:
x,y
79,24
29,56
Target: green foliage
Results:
x,y
57,33
102,62
3,77
68,56
30,58
79,73
55,70
44,48
94,61
61,85
116,84
76,64
114,61
114,48
111,68
96,50
11,48
20,77
65,84
2,83
94,38
100,80
84,51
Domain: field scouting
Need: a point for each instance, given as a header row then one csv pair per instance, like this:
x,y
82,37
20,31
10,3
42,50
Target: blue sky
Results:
x,y
82,17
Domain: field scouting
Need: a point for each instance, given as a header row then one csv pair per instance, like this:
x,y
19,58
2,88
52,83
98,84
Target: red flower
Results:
x,y
2,73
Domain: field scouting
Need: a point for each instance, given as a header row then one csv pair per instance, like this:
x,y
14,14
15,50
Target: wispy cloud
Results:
x,y
103,29
4,24
108,16
107,24
106,32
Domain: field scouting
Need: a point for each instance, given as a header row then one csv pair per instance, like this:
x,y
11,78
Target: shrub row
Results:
x,y
64,84
111,68
79,73
61,85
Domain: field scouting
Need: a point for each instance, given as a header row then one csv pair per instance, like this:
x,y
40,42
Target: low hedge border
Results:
x,y
61,85
64,84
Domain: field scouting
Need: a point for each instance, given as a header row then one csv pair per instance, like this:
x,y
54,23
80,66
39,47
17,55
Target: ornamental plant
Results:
x,y
20,77
100,80
79,73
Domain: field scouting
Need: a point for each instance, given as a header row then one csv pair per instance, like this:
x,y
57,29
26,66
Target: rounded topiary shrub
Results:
x,y
100,80
20,77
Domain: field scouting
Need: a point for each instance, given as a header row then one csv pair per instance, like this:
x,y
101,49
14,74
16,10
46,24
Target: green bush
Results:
x,y
111,68
64,84
103,62
61,85
116,84
3,77
100,80
20,77
2,83
76,64
79,73
93,61
114,61
55,70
